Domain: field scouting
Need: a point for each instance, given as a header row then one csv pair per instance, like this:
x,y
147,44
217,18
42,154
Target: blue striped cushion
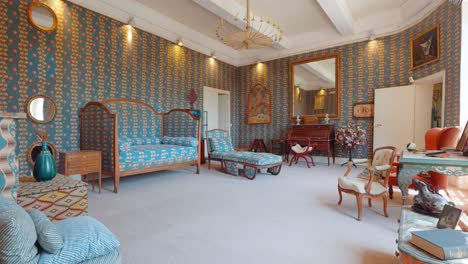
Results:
x,y
48,236
84,238
17,235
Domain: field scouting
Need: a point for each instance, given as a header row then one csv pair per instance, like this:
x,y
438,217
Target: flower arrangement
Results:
x,y
42,133
351,136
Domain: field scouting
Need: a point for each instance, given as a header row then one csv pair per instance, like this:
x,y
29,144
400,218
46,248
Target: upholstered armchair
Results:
x,y
371,182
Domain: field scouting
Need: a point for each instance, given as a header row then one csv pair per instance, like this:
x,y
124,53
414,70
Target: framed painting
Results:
x,y
425,47
319,102
259,105
363,110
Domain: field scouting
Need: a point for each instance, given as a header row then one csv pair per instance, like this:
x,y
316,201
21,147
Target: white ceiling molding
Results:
x,y
339,14
156,23
347,30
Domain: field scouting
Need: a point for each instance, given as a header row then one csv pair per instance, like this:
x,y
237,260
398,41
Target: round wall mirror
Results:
x,y
42,16
41,109
34,150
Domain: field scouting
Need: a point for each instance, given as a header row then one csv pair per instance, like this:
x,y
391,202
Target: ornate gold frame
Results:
x,y
436,27
31,7
263,87
335,55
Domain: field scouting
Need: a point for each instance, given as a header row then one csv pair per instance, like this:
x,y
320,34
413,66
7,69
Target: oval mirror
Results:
x,y
42,16
41,109
315,87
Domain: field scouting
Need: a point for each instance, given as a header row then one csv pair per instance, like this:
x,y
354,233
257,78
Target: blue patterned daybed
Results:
x,y
220,148
134,138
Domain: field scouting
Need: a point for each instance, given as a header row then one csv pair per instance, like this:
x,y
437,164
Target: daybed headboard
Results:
x,y
103,123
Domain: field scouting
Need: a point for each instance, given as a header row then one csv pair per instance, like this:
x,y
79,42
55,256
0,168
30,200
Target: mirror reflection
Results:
x,y
41,109
314,87
42,16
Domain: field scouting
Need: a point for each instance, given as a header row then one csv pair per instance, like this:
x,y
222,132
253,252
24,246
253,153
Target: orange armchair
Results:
x,y
435,139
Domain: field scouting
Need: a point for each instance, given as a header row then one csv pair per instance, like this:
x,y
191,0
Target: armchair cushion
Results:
x,y
359,185
48,236
17,234
84,238
222,144
180,141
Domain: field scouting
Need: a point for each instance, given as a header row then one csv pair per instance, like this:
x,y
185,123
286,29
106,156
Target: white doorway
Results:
x,y
404,114
216,109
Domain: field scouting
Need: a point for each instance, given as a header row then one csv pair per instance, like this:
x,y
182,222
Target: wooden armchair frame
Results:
x,y
372,169
306,154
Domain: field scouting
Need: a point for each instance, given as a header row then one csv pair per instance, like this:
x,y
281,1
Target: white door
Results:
x,y
223,112
394,117
422,113
211,106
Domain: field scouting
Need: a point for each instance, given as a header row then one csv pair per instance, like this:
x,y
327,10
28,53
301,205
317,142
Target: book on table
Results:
x,y
443,243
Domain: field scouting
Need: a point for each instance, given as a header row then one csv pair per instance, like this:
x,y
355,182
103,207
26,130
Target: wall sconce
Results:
x,y
130,24
213,56
371,37
259,61
179,42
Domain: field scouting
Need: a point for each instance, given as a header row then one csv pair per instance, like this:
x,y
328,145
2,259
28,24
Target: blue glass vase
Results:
x,y
45,168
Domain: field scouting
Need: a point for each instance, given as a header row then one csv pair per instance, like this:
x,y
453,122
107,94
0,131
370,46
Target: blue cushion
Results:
x,y
223,144
145,141
17,234
48,236
84,238
254,158
180,141
124,144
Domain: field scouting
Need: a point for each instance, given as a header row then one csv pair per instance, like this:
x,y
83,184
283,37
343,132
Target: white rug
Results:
x,y
178,217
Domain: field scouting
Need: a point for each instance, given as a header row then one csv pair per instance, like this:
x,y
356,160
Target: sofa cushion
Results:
x,y
146,156
124,144
254,158
222,144
84,238
17,234
48,236
181,141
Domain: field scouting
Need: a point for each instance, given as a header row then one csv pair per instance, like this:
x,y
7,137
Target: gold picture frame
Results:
x,y
425,47
363,110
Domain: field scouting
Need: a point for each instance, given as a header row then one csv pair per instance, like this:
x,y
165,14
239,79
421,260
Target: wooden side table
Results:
x,y
82,162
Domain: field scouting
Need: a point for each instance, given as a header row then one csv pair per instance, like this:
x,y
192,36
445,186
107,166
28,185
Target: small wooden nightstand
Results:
x,y
82,162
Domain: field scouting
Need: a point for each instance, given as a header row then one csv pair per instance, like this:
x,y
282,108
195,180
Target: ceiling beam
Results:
x,y
319,72
228,8
339,14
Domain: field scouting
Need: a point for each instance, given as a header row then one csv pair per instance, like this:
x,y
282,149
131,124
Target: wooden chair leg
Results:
x,y
385,205
359,205
369,200
209,164
390,191
341,196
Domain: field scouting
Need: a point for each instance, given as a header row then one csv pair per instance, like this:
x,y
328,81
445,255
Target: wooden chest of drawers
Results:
x,y
81,162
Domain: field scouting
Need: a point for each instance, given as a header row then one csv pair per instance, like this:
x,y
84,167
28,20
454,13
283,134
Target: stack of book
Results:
x,y
445,244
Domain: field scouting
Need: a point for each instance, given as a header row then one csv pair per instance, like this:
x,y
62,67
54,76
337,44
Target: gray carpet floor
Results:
x,y
178,217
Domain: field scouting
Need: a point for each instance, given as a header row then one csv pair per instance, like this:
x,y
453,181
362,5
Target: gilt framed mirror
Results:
x,y
315,88
42,16
41,109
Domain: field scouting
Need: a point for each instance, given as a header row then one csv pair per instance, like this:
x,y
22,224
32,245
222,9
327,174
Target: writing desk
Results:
x,y
413,163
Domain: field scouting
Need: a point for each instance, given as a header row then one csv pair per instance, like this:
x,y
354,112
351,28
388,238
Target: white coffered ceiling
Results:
x,y
308,24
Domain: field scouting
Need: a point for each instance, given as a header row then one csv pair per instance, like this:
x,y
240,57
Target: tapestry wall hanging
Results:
x,y
259,105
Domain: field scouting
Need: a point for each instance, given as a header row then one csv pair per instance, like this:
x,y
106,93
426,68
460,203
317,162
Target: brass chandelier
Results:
x,y
259,32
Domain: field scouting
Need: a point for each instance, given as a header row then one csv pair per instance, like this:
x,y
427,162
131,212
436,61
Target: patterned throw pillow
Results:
x,y
48,236
180,141
223,144
17,234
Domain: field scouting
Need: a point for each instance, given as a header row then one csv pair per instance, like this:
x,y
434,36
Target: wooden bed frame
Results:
x,y
110,152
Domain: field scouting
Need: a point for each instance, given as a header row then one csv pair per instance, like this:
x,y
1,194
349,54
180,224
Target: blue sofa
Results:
x,y
30,238
134,138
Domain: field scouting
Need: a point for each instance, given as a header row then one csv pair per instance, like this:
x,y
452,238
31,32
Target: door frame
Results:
x,y
219,91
